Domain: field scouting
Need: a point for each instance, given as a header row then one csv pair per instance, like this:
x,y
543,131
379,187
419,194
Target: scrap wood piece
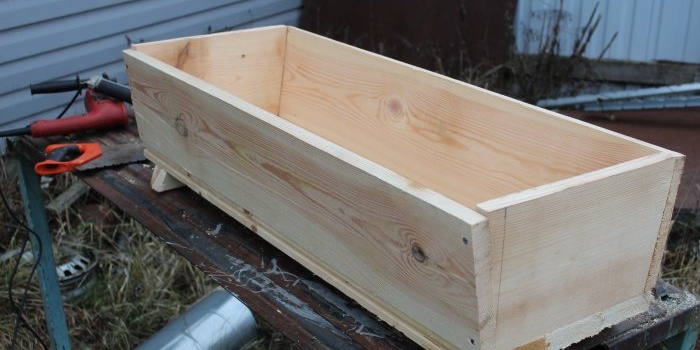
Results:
x,y
68,197
162,181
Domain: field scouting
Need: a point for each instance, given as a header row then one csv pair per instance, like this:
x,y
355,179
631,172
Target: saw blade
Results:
x,y
116,155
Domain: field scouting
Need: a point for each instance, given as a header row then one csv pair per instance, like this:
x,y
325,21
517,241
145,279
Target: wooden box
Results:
x,y
464,218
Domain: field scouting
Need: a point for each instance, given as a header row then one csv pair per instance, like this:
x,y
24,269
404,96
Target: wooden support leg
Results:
x,y
161,181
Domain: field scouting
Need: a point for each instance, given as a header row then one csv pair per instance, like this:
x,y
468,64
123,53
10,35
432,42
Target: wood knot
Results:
x,y
180,126
418,253
395,107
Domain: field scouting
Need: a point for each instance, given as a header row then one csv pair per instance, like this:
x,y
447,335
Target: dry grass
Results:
x,y
138,285
682,260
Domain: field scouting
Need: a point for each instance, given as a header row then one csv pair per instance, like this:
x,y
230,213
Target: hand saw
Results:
x,y
62,158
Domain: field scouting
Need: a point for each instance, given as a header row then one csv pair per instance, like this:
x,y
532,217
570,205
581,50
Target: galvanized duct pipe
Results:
x,y
219,321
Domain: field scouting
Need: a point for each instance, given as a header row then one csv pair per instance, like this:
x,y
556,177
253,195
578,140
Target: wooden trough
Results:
x,y
464,218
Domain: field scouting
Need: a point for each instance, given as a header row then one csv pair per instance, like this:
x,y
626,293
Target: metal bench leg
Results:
x,y
683,341
46,270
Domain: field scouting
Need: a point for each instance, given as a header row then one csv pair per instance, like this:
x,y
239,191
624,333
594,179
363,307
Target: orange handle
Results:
x,y
88,152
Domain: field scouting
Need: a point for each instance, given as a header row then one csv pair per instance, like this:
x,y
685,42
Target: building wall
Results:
x,y
55,39
647,30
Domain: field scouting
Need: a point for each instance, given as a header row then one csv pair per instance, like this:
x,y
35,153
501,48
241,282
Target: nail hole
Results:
x,y
418,253
465,240
473,342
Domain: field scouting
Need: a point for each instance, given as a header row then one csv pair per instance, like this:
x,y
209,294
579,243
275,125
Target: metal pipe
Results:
x,y
219,321
619,95
669,102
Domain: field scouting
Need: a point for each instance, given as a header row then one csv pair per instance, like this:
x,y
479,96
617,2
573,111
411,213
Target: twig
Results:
x,y
605,49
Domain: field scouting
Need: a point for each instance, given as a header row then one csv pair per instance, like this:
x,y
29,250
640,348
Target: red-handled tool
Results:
x,y
103,103
61,158
102,113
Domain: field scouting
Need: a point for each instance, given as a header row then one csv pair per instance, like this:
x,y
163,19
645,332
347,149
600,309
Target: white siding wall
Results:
x,y
55,39
648,30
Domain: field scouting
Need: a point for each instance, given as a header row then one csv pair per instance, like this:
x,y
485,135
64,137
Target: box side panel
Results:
x,y
400,257
247,63
573,254
666,222
464,142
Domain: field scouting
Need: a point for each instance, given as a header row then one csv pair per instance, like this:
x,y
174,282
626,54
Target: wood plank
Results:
x,y
666,223
248,69
467,143
344,217
574,249
161,181
67,197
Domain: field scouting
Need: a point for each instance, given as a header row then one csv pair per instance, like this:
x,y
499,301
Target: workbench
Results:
x,y
285,294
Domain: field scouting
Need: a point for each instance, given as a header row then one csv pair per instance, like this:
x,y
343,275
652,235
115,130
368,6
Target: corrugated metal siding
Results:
x,y
55,39
647,30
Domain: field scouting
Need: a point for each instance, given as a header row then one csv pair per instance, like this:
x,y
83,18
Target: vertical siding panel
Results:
x,y
570,27
673,25
654,27
623,10
631,9
692,44
604,26
522,25
665,43
643,18
647,30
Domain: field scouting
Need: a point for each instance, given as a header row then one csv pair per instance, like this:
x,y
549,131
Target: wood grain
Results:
x,y
161,181
464,142
235,62
666,222
576,251
396,249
